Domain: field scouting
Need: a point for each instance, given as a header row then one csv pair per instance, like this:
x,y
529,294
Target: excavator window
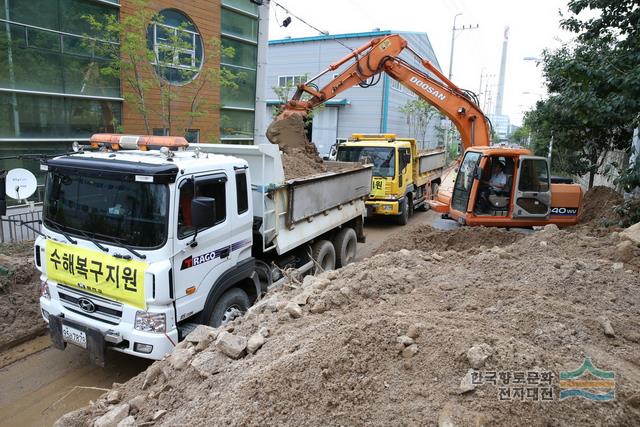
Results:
x,y
464,181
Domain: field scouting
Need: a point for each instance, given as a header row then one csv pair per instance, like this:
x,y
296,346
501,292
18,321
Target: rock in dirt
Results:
x,y
113,416
414,331
255,342
466,384
209,363
159,414
136,403
294,310
478,354
202,333
606,326
231,345
129,421
405,340
410,351
632,233
113,397
180,357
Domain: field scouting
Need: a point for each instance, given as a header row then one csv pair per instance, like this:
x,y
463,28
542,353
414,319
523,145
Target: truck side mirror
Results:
x,y
3,193
203,212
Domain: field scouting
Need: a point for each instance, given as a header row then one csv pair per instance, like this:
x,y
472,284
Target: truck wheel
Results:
x,y
324,256
345,244
403,218
233,303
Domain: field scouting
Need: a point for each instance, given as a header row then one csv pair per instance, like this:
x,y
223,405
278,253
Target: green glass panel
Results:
x,y
239,25
244,54
84,76
55,117
246,5
236,124
40,13
243,94
74,15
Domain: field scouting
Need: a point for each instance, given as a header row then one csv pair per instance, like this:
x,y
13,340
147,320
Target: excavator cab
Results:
x,y
501,187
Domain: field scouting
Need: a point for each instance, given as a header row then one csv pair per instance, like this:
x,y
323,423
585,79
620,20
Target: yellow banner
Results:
x,y
96,272
378,187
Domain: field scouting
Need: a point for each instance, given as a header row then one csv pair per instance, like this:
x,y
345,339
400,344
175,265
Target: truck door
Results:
x,y
533,188
405,171
197,266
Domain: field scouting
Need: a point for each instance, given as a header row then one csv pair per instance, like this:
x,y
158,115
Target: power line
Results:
x,y
324,33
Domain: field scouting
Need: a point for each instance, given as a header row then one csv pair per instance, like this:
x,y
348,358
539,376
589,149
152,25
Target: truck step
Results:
x,y
185,329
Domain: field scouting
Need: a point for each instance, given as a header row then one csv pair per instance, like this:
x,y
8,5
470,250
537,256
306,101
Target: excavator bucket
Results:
x,y
287,131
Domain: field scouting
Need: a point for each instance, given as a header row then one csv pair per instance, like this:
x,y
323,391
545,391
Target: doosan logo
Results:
x,y
428,88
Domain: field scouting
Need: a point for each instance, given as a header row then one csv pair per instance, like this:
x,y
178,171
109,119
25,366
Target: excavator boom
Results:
x,y
382,54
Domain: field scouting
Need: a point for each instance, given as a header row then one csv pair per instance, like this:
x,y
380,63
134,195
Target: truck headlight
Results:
x,y
44,290
150,322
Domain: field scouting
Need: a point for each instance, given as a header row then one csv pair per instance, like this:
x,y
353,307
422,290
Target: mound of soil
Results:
x,y
20,316
598,206
391,340
302,162
428,239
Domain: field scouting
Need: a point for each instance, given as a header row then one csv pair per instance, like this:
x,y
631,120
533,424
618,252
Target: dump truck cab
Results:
x,y
506,187
403,178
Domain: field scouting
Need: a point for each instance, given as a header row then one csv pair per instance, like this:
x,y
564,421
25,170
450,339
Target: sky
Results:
x,y
534,26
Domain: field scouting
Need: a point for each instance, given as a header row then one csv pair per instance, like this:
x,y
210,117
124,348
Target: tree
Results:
x,y
284,94
146,70
419,115
594,86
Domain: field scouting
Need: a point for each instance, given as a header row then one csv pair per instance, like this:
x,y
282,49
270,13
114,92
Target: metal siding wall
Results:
x,y
364,115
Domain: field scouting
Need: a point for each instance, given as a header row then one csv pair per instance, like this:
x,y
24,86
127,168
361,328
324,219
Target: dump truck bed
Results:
x,y
293,212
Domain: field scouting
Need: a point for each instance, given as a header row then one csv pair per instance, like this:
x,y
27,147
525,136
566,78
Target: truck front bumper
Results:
x,y
101,336
378,207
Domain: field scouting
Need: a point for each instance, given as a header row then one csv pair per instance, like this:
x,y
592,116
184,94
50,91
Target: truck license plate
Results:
x,y
74,336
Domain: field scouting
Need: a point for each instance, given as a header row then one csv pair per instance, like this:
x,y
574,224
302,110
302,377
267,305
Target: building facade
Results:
x,y
377,109
54,89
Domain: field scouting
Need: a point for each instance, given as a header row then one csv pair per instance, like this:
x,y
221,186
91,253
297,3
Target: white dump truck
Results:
x,y
145,237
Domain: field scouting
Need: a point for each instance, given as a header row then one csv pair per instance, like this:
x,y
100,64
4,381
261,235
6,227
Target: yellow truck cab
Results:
x,y
403,177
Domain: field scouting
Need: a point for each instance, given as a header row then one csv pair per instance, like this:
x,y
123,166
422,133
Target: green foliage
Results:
x,y
520,136
594,86
144,71
419,114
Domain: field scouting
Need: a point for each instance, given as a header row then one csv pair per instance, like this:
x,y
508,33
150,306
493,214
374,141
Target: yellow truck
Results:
x,y
403,177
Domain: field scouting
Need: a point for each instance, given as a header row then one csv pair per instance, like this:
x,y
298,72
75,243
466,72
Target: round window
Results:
x,y
176,45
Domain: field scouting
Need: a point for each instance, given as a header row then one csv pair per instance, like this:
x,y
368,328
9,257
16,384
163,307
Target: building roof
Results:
x,y
342,36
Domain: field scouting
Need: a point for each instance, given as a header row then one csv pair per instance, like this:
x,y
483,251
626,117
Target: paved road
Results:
x,y
39,383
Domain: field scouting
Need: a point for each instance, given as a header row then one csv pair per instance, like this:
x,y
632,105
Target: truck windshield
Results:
x,y
108,209
382,158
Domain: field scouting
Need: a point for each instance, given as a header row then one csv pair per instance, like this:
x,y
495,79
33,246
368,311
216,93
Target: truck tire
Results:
x,y
233,303
403,218
324,256
345,243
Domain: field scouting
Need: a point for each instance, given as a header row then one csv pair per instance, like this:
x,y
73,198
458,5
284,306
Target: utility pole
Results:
x,y
453,39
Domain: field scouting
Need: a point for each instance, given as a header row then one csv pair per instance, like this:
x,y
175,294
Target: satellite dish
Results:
x,y
21,184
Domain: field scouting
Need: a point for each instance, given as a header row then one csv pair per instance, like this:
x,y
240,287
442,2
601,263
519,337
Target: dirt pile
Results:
x,y
428,239
19,287
598,206
391,340
301,162
300,157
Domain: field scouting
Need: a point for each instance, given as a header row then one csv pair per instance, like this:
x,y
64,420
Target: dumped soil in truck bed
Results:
x,y
301,162
426,238
300,157
19,287
599,204
392,339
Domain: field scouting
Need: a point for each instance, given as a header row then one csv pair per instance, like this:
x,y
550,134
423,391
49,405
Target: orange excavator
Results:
x,y
489,185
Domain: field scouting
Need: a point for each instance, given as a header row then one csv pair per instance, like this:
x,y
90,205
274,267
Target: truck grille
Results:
x,y
104,310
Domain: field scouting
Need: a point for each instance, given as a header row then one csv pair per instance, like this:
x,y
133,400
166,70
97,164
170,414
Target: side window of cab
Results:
x,y
212,186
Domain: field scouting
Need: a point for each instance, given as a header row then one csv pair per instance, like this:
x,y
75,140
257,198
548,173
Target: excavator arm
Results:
x,y
382,54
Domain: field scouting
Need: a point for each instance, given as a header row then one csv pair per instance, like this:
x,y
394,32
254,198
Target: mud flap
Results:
x,y
95,340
